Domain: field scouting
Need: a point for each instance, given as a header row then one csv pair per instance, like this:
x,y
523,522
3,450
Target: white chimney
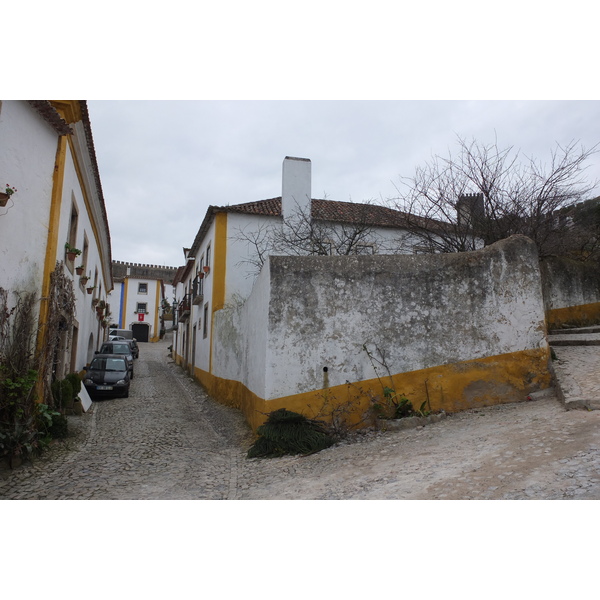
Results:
x,y
296,187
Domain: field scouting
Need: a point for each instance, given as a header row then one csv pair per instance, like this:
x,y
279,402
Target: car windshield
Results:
x,y
108,364
119,348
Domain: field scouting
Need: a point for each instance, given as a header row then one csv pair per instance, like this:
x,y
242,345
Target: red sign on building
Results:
x,y
140,316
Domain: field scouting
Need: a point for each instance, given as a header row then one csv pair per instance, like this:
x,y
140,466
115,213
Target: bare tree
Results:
x,y
484,194
304,233
582,241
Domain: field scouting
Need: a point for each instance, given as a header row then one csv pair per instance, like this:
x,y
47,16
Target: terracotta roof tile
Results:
x,y
51,116
329,210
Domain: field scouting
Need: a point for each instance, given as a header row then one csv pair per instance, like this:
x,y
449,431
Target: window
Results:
x,y
84,255
364,249
141,307
205,319
142,288
72,241
73,225
208,256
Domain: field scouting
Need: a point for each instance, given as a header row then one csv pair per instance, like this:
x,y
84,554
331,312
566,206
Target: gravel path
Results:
x,y
169,441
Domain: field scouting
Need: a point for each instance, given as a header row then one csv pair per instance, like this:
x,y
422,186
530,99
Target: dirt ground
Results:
x,y
529,450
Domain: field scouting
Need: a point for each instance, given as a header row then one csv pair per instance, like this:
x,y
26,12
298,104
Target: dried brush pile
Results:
x,y
287,432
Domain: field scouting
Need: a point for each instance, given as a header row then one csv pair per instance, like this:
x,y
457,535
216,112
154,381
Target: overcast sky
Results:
x,y
162,163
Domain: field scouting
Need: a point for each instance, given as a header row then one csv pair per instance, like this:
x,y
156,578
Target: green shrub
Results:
x,y
75,381
287,432
59,429
62,392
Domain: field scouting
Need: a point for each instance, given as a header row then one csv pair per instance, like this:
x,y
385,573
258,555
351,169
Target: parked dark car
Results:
x,y
135,350
119,347
107,375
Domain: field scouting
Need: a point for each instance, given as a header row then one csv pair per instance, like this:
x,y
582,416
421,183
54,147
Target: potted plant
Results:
x,y
100,308
71,251
95,300
90,289
206,269
79,269
4,196
84,279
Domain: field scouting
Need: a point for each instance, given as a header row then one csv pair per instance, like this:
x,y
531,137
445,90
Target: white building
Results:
x,y
47,155
234,241
138,299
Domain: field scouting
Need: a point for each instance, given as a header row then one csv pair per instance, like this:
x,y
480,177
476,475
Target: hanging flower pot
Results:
x,y
4,196
79,270
71,251
90,289
95,300
206,269
201,275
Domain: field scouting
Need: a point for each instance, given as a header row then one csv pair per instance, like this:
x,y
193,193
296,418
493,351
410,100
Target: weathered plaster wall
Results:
x,y
571,292
240,337
460,330
27,157
422,311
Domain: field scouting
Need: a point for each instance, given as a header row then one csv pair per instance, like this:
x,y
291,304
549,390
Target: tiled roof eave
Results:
x,y
45,109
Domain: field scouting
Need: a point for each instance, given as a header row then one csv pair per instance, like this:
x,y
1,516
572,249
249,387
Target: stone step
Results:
x,y
576,330
573,341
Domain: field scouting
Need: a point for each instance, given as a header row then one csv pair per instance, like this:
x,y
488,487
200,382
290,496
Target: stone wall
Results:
x,y
571,292
142,271
454,330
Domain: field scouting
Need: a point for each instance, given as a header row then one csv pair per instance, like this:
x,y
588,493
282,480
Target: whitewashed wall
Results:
x,y
240,338
91,334
307,313
27,156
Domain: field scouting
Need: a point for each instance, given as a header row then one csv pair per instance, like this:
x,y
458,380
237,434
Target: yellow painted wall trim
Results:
x,y
452,388
53,227
219,273
574,316
69,110
156,335
51,247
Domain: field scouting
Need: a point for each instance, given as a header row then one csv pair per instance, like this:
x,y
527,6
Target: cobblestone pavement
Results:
x,y
166,441
169,441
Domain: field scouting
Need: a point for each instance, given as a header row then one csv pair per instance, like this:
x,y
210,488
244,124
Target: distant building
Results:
x,y
140,300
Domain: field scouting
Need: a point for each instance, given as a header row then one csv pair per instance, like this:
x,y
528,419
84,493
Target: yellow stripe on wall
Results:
x,y
452,388
53,227
156,335
574,316
219,272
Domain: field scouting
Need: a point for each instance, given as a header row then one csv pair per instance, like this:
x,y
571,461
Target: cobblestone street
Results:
x,y
168,440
